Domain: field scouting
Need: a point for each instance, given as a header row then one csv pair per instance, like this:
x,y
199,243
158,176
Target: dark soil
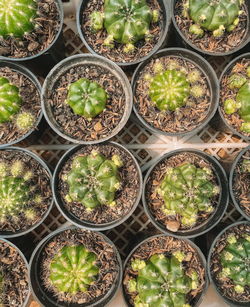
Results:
x,y
188,117
47,26
225,285
155,201
226,43
15,273
107,262
116,54
167,245
125,197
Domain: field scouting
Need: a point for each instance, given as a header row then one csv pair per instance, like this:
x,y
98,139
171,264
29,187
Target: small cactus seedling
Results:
x,y
73,269
93,180
187,190
126,22
162,281
86,98
246,165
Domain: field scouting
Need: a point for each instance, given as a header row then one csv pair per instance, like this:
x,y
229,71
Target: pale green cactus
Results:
x,y
246,165
73,269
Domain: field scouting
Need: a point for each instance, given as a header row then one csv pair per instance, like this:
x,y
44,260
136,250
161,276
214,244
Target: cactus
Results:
x,y
17,17
73,269
235,261
25,121
162,281
217,16
187,190
86,98
126,22
93,180
246,166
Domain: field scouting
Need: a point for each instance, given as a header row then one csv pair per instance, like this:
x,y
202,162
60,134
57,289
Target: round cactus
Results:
x,y
93,180
86,98
73,269
17,17
246,166
187,190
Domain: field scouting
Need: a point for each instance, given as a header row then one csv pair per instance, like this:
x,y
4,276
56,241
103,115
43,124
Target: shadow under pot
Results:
x,y
175,92
14,283
86,99
75,267
97,186
185,193
228,264
25,191
165,271
199,25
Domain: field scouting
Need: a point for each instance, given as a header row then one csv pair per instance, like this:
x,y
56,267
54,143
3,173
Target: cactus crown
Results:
x,y
17,17
162,281
73,269
187,190
86,98
93,180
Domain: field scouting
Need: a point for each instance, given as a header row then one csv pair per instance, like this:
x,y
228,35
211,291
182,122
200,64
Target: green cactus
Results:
x,y
235,261
93,180
162,281
17,17
86,98
217,16
187,190
126,22
73,269
246,165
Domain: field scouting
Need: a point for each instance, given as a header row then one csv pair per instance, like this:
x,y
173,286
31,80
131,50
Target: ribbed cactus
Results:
x,y
235,260
126,22
186,191
162,281
86,98
17,17
73,269
93,180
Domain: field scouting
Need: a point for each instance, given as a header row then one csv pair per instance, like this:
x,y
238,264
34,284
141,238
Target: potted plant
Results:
x,y
216,28
185,193
186,109
86,99
25,191
228,264
97,186
14,285
75,267
124,32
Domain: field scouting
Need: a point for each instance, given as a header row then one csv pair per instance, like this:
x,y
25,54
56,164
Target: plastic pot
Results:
x,y
8,234
214,219
207,70
188,43
199,299
226,299
165,7
74,61
70,216
44,297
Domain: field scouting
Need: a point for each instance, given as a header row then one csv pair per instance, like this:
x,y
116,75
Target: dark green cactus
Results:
x,y
162,281
86,98
73,269
17,17
186,191
93,180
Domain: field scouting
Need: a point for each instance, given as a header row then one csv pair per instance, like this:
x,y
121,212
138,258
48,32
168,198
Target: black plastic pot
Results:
x,y
203,65
7,234
44,297
71,217
189,44
214,219
165,7
74,61
195,247
227,300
